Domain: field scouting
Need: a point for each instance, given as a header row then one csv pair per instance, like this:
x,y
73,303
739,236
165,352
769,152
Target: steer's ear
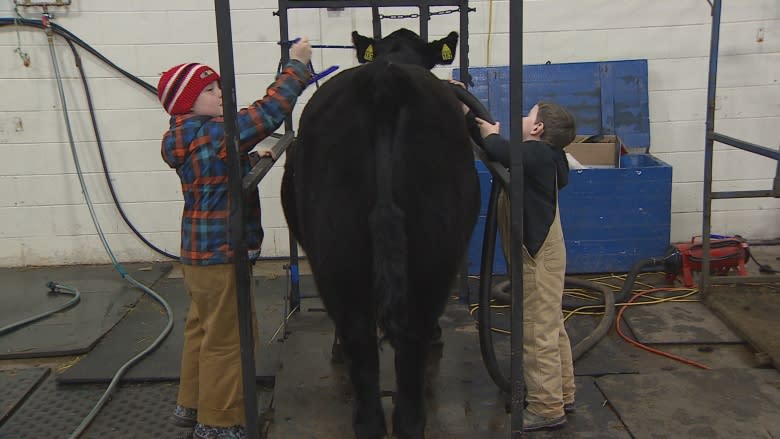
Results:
x,y
443,51
364,47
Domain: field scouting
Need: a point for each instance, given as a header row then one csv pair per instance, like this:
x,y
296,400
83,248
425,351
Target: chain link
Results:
x,y
403,16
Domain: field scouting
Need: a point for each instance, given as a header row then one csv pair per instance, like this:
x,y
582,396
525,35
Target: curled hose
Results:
x,y
606,320
54,288
608,300
570,303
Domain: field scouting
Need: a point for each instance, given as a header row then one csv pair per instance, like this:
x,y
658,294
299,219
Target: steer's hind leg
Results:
x,y
410,361
357,334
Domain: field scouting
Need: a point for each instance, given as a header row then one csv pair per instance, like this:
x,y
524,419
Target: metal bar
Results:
x,y
295,280
237,219
464,270
294,295
465,76
32,3
376,22
252,179
284,35
747,146
516,215
709,146
770,278
425,15
367,3
742,194
776,183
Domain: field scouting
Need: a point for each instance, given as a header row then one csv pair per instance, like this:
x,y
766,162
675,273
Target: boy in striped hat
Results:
x,y
210,390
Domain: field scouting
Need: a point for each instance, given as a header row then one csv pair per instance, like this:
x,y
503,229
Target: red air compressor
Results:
x,y
726,253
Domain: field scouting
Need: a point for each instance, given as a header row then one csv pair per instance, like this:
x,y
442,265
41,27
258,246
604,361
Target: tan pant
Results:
x,y
547,362
211,358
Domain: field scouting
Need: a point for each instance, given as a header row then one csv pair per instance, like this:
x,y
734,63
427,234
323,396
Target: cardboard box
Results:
x,y
596,151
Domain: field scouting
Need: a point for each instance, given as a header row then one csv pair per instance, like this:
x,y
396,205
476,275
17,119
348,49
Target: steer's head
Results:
x,y
406,47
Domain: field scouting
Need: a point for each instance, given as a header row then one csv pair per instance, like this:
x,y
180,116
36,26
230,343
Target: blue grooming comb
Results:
x,y
323,74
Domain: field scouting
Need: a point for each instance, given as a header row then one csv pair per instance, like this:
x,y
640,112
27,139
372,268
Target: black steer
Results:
x,y
381,192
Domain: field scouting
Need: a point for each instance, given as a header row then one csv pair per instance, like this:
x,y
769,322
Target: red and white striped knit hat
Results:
x,y
180,86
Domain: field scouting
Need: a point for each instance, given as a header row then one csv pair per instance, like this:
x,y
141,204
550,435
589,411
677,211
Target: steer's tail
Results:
x,y
387,220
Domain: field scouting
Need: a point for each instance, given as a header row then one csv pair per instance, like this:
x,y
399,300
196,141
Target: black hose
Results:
x,y
570,303
606,320
471,101
103,156
485,278
70,38
59,30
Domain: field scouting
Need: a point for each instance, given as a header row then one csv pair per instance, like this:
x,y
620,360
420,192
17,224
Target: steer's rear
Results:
x,y
380,190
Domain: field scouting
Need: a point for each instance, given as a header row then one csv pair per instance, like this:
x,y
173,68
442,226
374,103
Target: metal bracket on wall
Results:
x,y
45,4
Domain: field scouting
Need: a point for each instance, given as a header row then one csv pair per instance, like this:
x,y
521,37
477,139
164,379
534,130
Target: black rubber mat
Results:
x,y
143,324
105,298
17,385
678,322
726,403
134,411
312,396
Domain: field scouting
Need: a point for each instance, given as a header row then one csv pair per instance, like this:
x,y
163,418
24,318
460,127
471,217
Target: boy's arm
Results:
x,y
264,116
497,148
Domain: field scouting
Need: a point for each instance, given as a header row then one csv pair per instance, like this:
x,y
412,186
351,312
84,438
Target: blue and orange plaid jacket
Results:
x,y
195,147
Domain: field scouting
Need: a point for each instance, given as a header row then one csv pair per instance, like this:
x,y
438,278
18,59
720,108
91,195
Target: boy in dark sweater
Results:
x,y
548,368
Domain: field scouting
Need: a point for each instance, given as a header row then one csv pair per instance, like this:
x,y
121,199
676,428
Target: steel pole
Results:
x,y
237,218
704,278
516,211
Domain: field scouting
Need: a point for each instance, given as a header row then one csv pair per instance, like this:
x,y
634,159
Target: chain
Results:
x,y
19,51
402,16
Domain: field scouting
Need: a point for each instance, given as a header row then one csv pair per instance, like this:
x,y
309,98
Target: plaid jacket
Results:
x,y
195,147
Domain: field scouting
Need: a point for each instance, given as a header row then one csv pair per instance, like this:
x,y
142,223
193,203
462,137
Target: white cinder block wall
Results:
x,y
44,219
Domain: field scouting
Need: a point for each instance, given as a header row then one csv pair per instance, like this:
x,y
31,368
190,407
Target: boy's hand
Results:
x,y
463,106
486,129
265,152
301,51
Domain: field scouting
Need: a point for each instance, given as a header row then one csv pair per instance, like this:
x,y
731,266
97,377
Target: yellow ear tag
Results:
x,y
369,53
446,53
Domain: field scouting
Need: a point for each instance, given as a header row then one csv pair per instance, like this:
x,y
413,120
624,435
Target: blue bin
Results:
x,y
611,217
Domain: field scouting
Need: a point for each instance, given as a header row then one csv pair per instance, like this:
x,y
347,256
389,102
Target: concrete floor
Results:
x,y
623,391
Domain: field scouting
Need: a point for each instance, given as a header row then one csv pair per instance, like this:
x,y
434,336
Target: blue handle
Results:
x,y
323,74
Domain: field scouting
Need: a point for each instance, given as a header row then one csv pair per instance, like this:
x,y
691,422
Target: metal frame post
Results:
x,y
237,218
294,299
516,187
425,15
705,279
516,211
